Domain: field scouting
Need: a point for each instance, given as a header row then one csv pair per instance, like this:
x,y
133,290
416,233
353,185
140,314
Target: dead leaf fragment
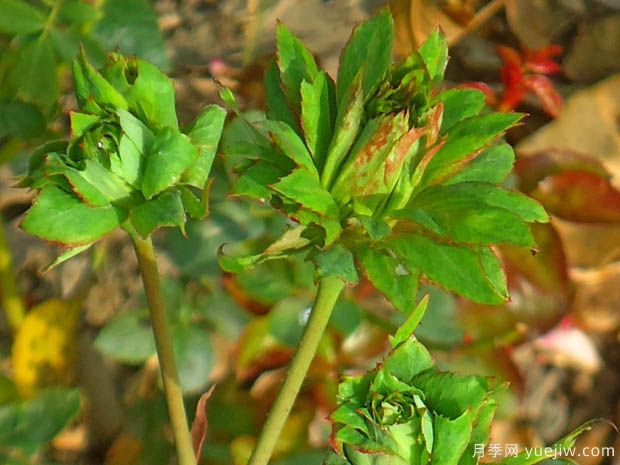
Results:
x,y
199,425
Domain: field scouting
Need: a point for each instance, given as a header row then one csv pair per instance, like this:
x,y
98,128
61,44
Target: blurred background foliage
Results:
x,y
78,372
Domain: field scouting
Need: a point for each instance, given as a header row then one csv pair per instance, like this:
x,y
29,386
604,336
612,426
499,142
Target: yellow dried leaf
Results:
x,y
44,348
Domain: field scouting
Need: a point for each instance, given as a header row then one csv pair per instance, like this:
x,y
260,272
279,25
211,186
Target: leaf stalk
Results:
x,y
328,291
163,341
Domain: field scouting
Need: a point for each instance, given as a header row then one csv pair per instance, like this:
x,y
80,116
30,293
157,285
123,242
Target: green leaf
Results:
x,y
480,433
197,208
255,179
131,27
84,189
81,122
77,11
66,256
408,360
205,134
451,395
295,63
346,317
152,96
336,261
18,17
289,243
493,165
369,50
170,155
287,140
527,457
193,352
135,130
348,122
300,186
21,120
131,165
90,85
476,213
459,104
451,438
464,139
112,186
60,217
316,115
164,210
30,424
405,331
391,276
377,229
286,320
434,53
277,105
127,338
34,73
473,272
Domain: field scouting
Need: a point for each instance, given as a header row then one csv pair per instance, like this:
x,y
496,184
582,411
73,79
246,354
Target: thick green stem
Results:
x,y
161,330
11,299
329,290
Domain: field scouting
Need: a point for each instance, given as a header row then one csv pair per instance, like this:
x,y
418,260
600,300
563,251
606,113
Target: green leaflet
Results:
x,y
59,217
434,53
19,17
34,72
368,53
169,156
316,115
493,165
287,140
405,331
474,272
277,105
27,425
390,276
164,210
89,84
465,138
295,63
205,134
451,438
348,122
476,213
459,104
152,96
336,261
300,186
290,242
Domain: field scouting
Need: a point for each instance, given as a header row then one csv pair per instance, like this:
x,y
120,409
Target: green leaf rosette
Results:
x,y
126,164
382,171
408,412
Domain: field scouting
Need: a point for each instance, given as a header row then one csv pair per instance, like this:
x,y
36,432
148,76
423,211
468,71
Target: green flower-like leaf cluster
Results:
x,y
407,412
127,163
383,172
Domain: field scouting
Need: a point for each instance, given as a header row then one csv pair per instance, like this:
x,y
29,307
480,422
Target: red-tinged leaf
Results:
x,y
512,96
579,196
533,168
541,60
509,55
199,425
544,89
